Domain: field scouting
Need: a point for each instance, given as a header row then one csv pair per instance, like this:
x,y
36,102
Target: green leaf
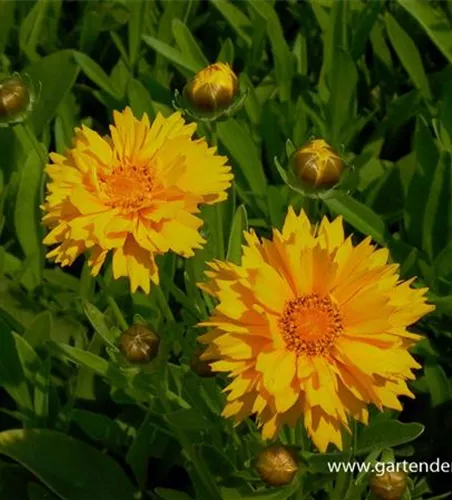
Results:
x,y
95,73
239,225
242,149
408,54
434,22
188,44
12,373
387,434
359,216
226,54
40,330
54,75
187,419
282,493
437,221
135,28
99,428
70,468
38,492
26,213
173,55
439,385
235,17
364,24
42,393
96,318
80,357
341,105
140,100
281,52
166,494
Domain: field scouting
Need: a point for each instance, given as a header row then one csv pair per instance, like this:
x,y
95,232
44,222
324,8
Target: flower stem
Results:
x,y
219,225
164,306
113,305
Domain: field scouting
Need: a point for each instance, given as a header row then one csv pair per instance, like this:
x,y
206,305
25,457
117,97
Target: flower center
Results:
x,y
310,324
128,186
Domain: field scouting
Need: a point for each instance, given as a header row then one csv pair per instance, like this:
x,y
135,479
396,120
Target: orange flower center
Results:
x,y
310,324
128,186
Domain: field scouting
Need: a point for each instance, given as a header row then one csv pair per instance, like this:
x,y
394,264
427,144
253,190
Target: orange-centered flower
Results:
x,y
133,194
311,326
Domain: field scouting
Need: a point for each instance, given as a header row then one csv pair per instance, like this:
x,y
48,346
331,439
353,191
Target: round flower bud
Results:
x,y
389,485
213,88
317,165
277,465
139,344
16,99
201,366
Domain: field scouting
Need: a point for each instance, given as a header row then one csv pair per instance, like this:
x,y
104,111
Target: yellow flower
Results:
x,y
213,88
133,194
311,326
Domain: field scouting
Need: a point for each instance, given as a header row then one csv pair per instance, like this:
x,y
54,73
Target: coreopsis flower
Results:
x,y
389,485
134,195
139,344
310,326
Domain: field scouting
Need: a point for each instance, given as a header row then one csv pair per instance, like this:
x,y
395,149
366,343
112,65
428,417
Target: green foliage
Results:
x,y
79,422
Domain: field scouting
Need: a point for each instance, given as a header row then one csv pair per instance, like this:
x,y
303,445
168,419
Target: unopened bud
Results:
x,y
277,465
139,344
16,99
213,88
389,485
317,165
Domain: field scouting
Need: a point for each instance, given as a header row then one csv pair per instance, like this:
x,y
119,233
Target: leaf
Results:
x,y
437,221
99,428
187,419
439,385
166,494
40,330
95,73
387,434
70,468
281,52
42,393
173,55
408,54
358,215
96,318
26,213
188,44
135,28
364,24
38,492
435,24
239,225
54,75
341,106
12,373
235,17
226,54
242,149
140,100
80,357
281,493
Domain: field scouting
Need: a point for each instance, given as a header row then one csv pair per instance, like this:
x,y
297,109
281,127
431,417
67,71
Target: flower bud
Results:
x,y
201,366
317,165
389,485
213,88
139,344
277,465
16,99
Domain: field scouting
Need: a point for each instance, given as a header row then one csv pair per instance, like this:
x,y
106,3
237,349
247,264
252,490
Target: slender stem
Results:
x,y
113,305
219,226
163,303
35,144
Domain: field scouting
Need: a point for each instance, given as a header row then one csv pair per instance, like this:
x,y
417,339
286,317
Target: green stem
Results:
x,y
164,306
113,305
219,223
200,467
